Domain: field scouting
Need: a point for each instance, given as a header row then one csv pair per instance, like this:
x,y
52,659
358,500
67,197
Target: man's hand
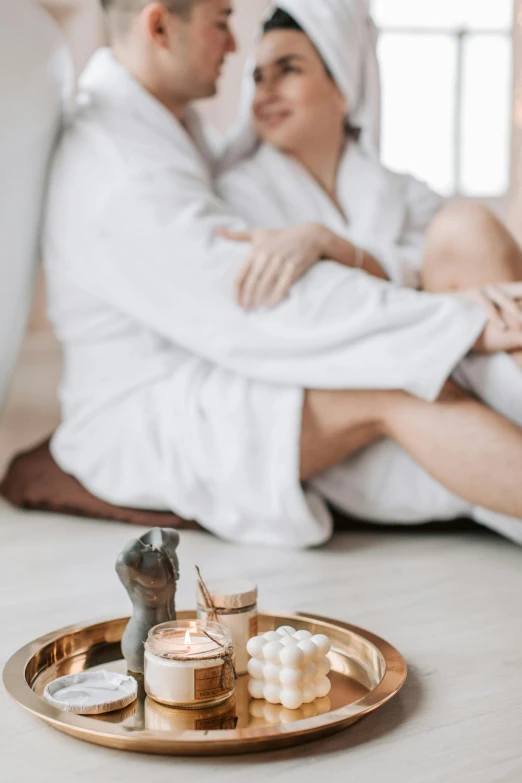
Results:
x,y
277,259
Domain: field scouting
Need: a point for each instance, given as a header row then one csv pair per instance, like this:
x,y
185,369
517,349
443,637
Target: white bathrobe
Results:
x,y
173,397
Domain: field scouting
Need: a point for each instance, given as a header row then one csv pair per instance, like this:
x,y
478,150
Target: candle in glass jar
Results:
x,y
189,664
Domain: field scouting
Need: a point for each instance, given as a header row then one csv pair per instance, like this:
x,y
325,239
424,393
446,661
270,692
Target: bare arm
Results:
x,y
338,249
279,258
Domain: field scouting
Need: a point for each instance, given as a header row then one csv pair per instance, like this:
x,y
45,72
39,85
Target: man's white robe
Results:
x,y
172,396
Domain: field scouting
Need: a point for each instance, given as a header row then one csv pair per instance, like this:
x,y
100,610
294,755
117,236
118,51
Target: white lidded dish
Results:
x,y
91,693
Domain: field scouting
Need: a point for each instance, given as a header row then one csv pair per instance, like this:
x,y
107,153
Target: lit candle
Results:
x,y
189,664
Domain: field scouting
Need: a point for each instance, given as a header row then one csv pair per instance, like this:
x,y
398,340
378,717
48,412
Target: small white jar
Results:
x,y
235,606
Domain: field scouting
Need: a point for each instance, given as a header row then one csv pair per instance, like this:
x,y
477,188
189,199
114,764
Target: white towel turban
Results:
x,y
345,36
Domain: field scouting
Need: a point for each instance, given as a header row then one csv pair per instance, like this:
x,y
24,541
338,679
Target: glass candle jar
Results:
x,y
189,664
235,606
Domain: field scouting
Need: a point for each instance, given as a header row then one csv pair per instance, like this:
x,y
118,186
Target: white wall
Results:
x,y
514,209
82,24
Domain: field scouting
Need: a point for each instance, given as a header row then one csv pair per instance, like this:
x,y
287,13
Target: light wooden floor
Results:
x,y
31,412
450,603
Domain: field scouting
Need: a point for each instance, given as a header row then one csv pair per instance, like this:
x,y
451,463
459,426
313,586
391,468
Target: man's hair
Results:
x,y
120,12
175,6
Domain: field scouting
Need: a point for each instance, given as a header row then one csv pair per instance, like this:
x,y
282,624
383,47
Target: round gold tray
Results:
x,y
366,673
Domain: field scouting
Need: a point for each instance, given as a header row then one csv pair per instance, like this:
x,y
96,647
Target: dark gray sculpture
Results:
x,y
148,568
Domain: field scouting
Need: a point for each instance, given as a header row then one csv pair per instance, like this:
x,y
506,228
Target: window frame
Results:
x,y
460,35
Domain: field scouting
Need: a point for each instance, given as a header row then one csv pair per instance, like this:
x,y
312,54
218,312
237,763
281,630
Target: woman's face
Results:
x,y
296,102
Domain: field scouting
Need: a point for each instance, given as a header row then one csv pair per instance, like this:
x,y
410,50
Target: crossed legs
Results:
x,y
468,448
471,450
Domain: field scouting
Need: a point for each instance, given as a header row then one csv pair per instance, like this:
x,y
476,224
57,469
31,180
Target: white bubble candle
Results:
x,y
289,667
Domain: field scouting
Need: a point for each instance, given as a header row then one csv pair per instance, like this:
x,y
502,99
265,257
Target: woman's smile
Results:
x,y
272,117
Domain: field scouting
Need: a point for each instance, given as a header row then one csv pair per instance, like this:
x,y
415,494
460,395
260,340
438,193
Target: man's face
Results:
x,y
199,46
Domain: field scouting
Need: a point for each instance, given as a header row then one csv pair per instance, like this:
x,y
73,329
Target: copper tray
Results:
x,y
366,673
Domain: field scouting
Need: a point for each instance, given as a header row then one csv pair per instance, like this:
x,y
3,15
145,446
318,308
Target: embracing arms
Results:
x,y
153,254
277,259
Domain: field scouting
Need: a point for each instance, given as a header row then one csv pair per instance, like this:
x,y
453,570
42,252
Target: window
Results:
x,y
447,82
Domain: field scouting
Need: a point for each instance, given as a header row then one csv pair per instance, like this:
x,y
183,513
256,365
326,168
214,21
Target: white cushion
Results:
x,y
35,77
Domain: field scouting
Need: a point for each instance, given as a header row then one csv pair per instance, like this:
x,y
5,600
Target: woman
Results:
x,y
314,170
316,167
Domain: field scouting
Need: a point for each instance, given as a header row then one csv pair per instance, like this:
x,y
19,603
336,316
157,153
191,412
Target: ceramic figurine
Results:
x,y
148,569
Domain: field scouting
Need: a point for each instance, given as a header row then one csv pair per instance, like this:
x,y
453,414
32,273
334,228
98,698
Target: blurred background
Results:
x,y
452,115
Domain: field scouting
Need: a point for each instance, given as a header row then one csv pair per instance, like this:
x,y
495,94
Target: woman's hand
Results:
x,y
277,259
502,303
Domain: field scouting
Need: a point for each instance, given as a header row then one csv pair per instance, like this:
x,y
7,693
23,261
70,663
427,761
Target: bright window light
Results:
x,y
447,91
449,14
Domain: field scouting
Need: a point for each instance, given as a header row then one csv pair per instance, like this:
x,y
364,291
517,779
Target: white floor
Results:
x,y
450,603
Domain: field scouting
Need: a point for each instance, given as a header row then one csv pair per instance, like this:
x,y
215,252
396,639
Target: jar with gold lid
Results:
x,y
234,605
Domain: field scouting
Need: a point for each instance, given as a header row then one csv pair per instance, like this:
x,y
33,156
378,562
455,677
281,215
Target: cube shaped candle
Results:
x,y
289,667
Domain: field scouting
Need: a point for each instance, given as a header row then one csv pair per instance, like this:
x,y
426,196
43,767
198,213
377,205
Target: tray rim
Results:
x,y
233,741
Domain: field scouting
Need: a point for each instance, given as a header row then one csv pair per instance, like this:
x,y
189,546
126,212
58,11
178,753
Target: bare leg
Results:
x,y
471,450
336,424
467,247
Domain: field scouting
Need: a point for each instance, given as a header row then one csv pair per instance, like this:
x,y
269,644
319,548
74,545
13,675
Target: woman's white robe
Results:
x,y
172,396
387,214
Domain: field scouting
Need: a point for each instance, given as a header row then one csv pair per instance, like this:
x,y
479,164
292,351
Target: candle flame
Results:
x,y
188,640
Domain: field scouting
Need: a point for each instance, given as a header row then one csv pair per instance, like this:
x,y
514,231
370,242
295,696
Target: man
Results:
x,y
175,398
